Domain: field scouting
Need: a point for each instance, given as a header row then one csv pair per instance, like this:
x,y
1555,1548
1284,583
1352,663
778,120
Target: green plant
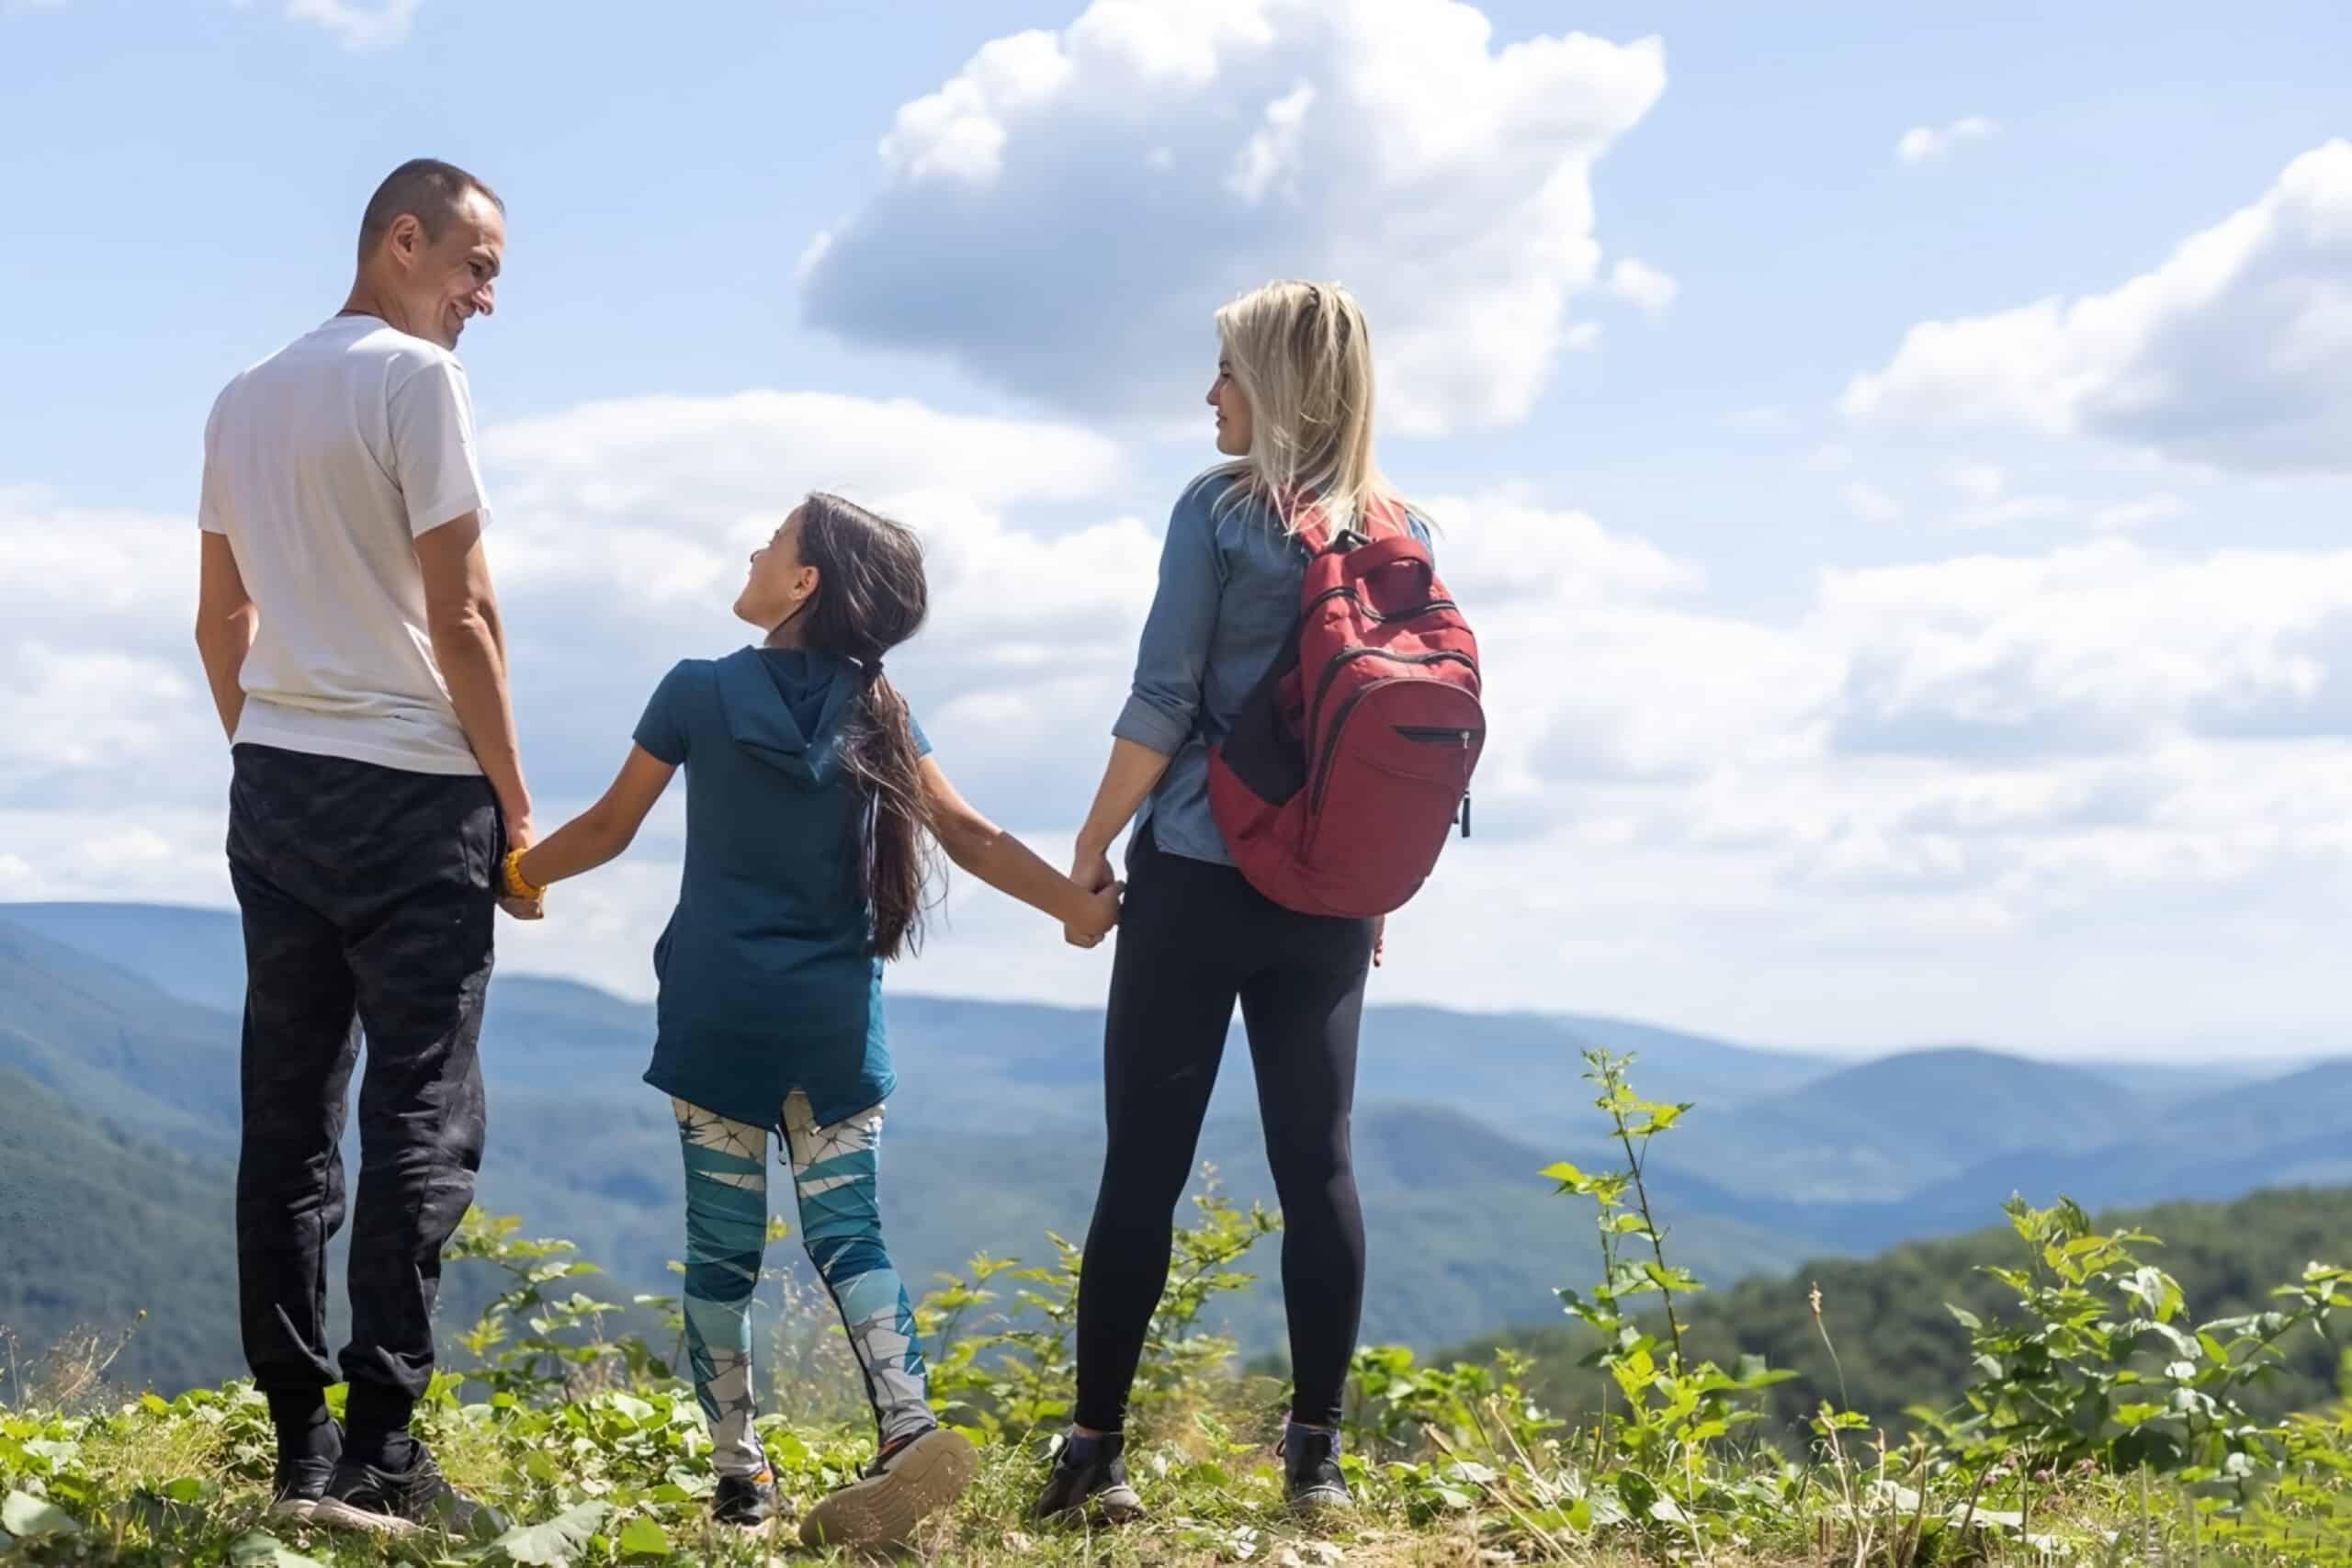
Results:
x,y
1013,1374
541,1359
1656,1450
2099,1365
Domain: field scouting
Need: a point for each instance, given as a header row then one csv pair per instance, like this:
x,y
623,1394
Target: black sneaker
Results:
x,y
910,1480
747,1501
1311,1468
1089,1476
303,1473
403,1502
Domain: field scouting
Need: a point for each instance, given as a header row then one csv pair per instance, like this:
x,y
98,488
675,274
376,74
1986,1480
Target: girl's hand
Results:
x,y
1101,914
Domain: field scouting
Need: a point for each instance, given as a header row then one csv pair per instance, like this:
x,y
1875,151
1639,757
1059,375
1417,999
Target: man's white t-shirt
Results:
x,y
322,464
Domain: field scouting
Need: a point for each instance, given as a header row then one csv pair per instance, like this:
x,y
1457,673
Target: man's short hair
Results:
x,y
427,186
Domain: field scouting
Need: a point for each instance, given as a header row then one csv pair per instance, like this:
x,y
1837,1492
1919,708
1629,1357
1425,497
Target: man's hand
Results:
x,y
1090,869
519,836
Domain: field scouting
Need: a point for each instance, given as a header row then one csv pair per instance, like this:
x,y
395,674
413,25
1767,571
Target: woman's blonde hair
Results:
x,y
1303,358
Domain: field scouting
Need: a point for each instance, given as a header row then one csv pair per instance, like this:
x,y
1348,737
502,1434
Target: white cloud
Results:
x,y
1643,285
1978,482
360,26
2235,351
1923,143
2103,648
1584,336
1923,784
2161,507
1273,152
1871,504
1386,143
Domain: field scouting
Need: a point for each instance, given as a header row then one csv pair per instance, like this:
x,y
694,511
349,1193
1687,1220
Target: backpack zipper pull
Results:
x,y
1465,814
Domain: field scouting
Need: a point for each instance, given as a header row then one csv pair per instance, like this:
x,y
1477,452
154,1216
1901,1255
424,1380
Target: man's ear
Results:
x,y
405,238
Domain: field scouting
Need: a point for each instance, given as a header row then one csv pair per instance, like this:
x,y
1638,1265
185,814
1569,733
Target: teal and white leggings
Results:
x,y
840,1225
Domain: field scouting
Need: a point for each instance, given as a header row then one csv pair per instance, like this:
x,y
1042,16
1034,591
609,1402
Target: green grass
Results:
x,y
2100,1426
186,1482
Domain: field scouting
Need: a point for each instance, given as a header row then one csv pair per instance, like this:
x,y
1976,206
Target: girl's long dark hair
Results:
x,y
872,596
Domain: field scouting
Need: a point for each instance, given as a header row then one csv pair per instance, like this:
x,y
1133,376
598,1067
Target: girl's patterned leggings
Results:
x,y
833,1171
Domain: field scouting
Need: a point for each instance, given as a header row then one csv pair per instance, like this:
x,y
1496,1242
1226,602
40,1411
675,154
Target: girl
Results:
x,y
1292,397
809,793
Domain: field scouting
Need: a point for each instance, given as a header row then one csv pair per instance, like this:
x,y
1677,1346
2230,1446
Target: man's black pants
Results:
x,y
368,895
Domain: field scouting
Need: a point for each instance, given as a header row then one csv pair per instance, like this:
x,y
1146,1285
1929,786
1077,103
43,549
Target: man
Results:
x,y
355,651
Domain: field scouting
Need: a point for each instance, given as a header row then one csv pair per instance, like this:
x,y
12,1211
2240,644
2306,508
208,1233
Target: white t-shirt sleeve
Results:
x,y
433,447
211,515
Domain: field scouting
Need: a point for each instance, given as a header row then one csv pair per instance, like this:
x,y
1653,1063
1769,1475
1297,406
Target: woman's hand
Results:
x,y
1090,869
1101,914
1379,940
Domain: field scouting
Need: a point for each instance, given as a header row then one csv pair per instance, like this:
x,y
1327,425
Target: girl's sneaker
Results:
x,y
1089,1476
909,1481
747,1501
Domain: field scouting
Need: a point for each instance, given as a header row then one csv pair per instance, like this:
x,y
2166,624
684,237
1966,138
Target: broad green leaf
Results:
x,y
1965,1318
552,1544
28,1517
643,1538
260,1550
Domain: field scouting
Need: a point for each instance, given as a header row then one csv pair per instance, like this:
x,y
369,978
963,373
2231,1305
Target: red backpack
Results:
x,y
1350,764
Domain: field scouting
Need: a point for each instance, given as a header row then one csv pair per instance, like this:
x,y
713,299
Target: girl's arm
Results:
x,y
605,828
1005,864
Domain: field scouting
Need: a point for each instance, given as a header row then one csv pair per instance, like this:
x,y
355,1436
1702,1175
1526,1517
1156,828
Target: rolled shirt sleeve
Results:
x,y
433,459
1166,701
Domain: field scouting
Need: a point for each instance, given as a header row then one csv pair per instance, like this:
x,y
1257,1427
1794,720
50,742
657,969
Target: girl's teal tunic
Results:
x,y
768,979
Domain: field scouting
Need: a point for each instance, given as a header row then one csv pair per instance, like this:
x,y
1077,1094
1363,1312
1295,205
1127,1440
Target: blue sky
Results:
x,y
1915,583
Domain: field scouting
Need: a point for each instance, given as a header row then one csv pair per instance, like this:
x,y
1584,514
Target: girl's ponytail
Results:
x,y
872,596
894,825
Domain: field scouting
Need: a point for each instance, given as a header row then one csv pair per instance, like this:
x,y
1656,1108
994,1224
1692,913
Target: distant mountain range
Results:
x,y
117,1079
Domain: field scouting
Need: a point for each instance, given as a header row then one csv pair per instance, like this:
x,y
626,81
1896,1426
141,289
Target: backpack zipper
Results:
x,y
1437,732
1355,651
1344,591
1323,762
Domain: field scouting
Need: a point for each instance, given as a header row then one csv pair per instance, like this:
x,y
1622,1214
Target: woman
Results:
x,y
1293,399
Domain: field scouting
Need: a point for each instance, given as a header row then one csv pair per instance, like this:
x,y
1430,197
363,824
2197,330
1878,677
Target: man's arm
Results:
x,y
468,643
226,620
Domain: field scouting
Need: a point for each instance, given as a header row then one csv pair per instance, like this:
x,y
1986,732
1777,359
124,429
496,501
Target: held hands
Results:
x,y
1090,869
512,898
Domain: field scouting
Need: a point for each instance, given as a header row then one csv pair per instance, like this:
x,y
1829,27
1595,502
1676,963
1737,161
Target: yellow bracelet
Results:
x,y
516,887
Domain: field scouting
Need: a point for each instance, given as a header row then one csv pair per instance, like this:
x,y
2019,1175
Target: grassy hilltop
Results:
x,y
2094,1413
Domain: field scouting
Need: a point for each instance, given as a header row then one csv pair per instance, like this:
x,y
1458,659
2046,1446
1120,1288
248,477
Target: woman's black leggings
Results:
x,y
1194,937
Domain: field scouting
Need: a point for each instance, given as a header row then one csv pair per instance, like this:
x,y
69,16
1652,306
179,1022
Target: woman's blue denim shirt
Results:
x,y
1227,603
